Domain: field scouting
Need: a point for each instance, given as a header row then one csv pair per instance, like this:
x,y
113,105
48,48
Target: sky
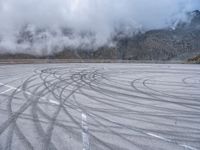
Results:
x,y
55,24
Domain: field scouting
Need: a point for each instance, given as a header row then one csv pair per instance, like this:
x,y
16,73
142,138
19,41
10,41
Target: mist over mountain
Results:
x,y
50,26
164,44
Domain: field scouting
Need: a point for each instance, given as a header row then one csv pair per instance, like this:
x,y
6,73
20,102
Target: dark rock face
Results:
x,y
163,44
195,59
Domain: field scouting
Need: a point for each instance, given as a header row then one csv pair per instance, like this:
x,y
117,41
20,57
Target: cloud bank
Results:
x,y
46,26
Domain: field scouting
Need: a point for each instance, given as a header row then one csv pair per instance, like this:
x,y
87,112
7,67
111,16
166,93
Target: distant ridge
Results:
x,y
183,42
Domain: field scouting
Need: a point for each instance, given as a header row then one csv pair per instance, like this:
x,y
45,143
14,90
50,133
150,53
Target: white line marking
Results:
x,y
54,102
86,144
157,136
11,87
168,140
8,86
29,93
188,147
6,91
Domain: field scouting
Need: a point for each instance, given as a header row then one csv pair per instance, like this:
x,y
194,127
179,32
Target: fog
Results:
x,y
44,27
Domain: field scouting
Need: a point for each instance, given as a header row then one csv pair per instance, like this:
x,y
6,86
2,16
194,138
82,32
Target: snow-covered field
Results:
x,y
100,107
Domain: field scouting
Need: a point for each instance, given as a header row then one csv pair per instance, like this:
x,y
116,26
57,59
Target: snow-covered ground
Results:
x,y
100,107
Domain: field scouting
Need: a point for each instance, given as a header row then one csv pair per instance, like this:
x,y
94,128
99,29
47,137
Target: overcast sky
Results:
x,y
100,17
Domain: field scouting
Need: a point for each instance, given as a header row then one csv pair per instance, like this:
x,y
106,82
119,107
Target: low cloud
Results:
x,y
47,26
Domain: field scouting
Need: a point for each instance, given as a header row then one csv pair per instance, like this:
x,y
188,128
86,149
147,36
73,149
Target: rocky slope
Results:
x,y
164,44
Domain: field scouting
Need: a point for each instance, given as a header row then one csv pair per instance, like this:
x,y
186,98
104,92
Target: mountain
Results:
x,y
180,43
164,44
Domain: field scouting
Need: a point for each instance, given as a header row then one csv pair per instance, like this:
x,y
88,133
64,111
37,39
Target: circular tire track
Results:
x,y
128,107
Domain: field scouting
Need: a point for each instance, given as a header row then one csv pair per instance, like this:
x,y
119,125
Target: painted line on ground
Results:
x,y
85,136
168,140
8,86
188,147
29,93
54,102
159,137
6,91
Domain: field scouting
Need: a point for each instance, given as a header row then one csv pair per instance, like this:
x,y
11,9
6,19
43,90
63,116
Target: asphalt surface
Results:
x,y
100,107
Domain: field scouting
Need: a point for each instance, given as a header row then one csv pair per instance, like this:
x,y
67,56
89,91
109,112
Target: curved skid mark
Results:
x,y
136,98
